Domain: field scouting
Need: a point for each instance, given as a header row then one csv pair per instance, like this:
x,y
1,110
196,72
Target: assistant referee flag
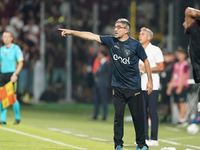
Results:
x,y
7,95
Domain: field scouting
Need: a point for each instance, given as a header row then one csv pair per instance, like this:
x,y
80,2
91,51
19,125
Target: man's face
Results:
x,y
120,30
180,55
143,37
100,55
7,38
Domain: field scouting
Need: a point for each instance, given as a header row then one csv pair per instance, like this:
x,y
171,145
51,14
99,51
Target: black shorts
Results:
x,y
5,78
179,98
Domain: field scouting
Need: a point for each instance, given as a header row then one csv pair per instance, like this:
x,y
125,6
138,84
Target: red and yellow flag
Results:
x,y
7,95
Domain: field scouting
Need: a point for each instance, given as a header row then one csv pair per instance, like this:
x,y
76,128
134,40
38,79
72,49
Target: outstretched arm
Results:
x,y
82,34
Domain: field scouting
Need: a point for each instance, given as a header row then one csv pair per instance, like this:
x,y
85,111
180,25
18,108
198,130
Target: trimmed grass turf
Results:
x,y
75,118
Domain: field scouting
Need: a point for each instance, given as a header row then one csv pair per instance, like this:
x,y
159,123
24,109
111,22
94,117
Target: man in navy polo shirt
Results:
x,y
125,53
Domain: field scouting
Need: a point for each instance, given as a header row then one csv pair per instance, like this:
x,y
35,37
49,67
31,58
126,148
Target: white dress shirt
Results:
x,y
154,55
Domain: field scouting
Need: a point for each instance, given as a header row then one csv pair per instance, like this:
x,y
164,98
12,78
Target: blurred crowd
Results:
x,y
22,19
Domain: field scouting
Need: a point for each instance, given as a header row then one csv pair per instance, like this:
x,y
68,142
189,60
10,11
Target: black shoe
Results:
x,y
17,121
2,122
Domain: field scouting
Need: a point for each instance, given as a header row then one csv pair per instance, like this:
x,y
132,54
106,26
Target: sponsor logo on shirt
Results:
x,y
122,60
116,47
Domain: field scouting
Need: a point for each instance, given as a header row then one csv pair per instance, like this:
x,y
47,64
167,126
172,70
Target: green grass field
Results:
x,y
68,127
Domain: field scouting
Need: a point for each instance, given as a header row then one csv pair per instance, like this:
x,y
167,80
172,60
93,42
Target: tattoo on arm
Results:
x,y
195,13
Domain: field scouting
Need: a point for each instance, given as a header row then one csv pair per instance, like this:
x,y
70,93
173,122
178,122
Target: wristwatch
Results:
x,y
15,74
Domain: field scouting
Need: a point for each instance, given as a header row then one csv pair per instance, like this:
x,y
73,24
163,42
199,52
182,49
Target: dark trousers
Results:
x,y
150,109
135,103
100,97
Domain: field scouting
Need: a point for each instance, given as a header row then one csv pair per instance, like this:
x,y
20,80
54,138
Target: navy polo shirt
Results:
x,y
125,57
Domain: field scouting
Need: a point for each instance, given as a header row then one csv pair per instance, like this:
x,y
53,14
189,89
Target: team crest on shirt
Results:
x,y
127,52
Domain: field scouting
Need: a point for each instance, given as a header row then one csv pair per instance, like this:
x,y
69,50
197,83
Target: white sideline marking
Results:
x,y
41,138
58,130
98,139
173,129
128,144
78,135
53,129
193,146
170,142
161,140
175,143
182,138
66,132
81,135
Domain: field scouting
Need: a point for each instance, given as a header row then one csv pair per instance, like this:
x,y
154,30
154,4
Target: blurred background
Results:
x,y
58,69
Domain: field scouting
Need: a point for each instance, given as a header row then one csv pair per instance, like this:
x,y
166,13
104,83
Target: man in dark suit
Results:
x,y
102,82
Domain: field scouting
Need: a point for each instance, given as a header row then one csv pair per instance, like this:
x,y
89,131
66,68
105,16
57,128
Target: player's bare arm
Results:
x,y
82,34
190,15
192,12
148,71
181,85
158,68
14,77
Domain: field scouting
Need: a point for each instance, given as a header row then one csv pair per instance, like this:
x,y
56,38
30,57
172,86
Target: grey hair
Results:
x,y
149,32
125,23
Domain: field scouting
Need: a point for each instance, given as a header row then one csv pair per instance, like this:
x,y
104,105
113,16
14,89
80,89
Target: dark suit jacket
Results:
x,y
103,74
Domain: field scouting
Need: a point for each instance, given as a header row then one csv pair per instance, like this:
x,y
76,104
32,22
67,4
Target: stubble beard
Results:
x,y
118,37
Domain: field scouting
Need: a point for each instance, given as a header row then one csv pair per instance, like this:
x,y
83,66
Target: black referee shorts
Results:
x,y
5,78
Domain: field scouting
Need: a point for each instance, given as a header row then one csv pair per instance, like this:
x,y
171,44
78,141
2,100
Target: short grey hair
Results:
x,y
125,23
149,32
